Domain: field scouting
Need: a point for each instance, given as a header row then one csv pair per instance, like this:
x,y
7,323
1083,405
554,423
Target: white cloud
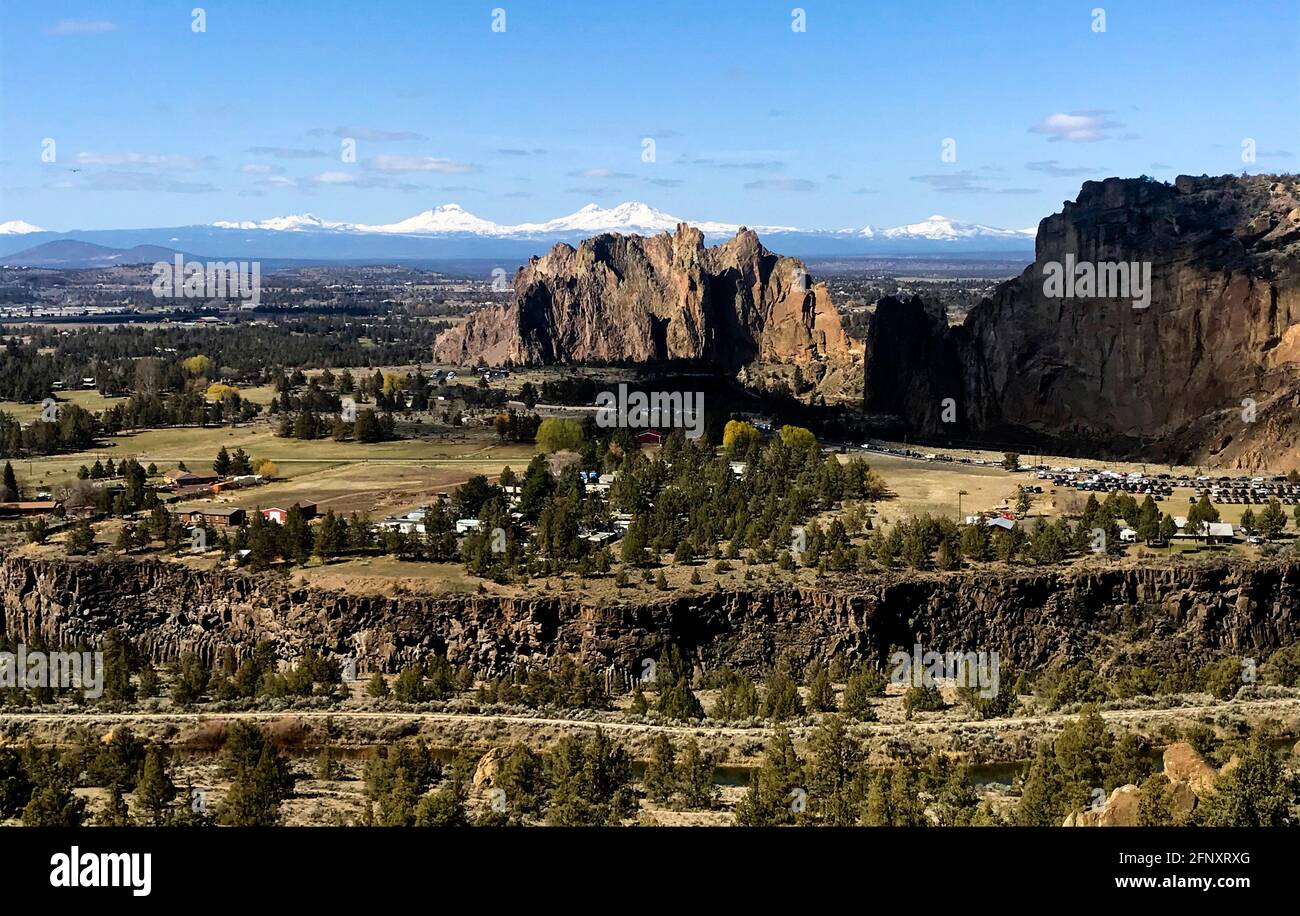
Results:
x,y
1077,127
781,184
143,160
388,163
600,173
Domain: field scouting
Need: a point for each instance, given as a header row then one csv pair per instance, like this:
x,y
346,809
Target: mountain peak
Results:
x,y
630,217
18,227
292,223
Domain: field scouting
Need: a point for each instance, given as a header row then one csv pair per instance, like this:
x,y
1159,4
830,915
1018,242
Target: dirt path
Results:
x,y
1267,707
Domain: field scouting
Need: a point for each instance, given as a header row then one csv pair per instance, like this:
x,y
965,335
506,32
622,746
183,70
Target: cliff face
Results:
x,y
1223,325
618,298
1030,618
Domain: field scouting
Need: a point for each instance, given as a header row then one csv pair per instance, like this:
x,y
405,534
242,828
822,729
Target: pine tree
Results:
x,y
679,702
377,686
772,794
821,693
115,812
639,705
781,700
1148,521
256,789
156,791
833,761
695,776
81,539
862,685
660,773
1041,792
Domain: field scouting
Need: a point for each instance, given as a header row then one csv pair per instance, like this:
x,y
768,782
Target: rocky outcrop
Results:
x,y
1119,810
1031,618
664,299
1208,370
1190,778
1184,764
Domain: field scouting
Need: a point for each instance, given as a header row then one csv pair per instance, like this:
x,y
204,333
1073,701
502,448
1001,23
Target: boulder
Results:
x,y
1183,763
1120,810
488,767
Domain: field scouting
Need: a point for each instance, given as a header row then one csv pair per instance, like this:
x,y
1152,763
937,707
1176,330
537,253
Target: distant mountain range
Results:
x,y
68,254
450,231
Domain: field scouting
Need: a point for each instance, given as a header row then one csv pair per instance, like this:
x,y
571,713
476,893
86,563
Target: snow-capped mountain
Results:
x,y
448,218
298,223
18,227
450,231
632,217
943,228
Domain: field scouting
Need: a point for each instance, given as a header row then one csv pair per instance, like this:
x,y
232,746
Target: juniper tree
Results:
x,y
660,777
772,797
156,792
781,699
695,776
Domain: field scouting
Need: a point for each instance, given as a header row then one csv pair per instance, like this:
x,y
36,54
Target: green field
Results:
x,y
379,477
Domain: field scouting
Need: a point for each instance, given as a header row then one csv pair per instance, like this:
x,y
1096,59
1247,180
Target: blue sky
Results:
x,y
839,125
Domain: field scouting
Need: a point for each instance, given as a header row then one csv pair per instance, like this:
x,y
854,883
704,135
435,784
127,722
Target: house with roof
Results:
x,y
1211,532
212,517
410,523
182,478
279,514
28,508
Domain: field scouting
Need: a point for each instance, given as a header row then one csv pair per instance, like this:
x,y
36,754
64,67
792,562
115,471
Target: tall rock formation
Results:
x,y
630,299
1208,371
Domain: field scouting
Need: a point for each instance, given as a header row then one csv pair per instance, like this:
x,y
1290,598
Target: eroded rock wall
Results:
x,y
1097,375
1031,618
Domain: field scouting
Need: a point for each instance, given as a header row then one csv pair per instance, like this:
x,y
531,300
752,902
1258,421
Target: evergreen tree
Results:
x,y
679,702
863,684
1272,520
695,776
1148,521
81,539
156,792
781,699
771,798
115,812
833,762
1259,792
256,788
661,772
737,698
10,492
821,693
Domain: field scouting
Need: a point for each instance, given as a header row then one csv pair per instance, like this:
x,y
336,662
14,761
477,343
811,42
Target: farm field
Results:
x,y
90,400
379,477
